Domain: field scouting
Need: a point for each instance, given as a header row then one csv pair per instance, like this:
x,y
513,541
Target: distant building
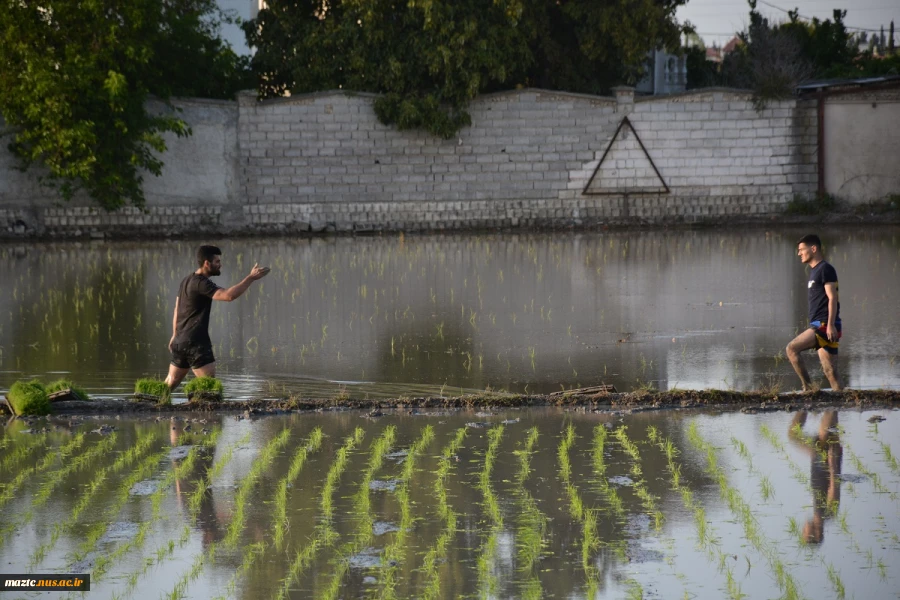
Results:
x,y
232,32
717,54
667,74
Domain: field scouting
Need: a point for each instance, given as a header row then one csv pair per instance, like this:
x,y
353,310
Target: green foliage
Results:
x,y
76,78
429,58
29,398
153,387
204,384
66,384
811,206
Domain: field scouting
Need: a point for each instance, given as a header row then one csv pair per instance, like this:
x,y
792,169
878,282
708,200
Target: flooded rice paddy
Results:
x,y
536,503
427,315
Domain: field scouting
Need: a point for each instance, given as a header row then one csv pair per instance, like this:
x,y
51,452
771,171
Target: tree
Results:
x,y
891,38
76,77
429,58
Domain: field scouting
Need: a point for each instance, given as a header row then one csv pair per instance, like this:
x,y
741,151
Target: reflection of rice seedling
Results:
x,y
487,582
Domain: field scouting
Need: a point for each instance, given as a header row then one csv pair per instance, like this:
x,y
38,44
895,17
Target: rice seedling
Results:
x,y
105,561
487,582
263,461
28,398
439,550
640,486
743,512
280,521
325,533
153,387
613,500
362,509
9,490
205,387
393,553
65,384
890,457
531,526
12,459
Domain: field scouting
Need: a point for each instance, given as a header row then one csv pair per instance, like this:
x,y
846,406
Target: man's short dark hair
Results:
x,y
209,253
811,240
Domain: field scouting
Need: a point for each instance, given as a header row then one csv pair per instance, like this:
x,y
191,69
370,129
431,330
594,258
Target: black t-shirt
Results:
x,y
194,304
821,274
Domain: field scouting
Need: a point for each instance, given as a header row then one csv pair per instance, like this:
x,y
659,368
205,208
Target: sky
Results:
x,y
718,20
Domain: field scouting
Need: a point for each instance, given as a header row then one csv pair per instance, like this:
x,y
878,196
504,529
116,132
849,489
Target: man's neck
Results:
x,y
814,261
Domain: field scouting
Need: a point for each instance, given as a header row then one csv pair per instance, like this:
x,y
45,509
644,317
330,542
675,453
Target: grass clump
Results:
x,y
66,384
153,387
818,205
29,398
207,387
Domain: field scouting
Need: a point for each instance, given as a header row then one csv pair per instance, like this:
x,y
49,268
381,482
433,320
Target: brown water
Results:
x,y
531,515
424,314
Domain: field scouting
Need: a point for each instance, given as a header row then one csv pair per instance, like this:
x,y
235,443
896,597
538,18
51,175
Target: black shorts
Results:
x,y
186,355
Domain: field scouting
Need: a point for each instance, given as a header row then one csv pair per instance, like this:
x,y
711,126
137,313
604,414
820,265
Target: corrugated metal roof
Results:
x,y
861,82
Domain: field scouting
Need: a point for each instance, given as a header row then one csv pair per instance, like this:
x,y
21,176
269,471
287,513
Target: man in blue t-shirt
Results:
x,y
824,315
190,345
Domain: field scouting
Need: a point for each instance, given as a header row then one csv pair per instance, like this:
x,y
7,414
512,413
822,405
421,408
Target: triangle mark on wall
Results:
x,y
625,167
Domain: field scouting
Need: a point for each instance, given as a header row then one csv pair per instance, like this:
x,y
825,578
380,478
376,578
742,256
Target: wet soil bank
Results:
x,y
635,401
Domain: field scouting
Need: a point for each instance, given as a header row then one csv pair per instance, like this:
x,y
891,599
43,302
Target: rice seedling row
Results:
x,y
96,484
21,452
393,554
181,471
640,487
767,491
325,534
587,518
54,479
487,582
706,535
438,552
532,527
363,510
262,462
43,465
744,514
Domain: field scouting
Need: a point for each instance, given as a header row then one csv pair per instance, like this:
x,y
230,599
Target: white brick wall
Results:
x,y
323,160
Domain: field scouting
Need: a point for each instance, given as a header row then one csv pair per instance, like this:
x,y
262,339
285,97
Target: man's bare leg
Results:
x,y
829,366
206,370
805,341
176,375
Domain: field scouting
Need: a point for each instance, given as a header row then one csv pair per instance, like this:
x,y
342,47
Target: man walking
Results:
x,y
190,345
824,315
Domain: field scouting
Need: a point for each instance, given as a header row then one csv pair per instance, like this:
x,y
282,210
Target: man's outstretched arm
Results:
x,y
235,291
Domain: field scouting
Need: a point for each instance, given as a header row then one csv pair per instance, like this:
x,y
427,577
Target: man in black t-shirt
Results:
x,y
824,330
190,345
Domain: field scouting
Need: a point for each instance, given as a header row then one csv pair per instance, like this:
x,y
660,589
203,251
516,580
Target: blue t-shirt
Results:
x,y
821,274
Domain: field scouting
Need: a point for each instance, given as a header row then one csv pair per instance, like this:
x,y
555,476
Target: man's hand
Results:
x,y
831,333
172,341
258,272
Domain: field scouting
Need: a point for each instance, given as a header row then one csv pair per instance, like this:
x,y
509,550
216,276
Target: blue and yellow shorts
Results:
x,y
822,340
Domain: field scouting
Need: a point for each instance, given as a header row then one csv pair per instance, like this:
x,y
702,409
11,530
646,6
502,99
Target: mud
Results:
x,y
627,403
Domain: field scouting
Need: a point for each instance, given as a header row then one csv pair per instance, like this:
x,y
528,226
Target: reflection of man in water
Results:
x,y
824,315
825,454
207,519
